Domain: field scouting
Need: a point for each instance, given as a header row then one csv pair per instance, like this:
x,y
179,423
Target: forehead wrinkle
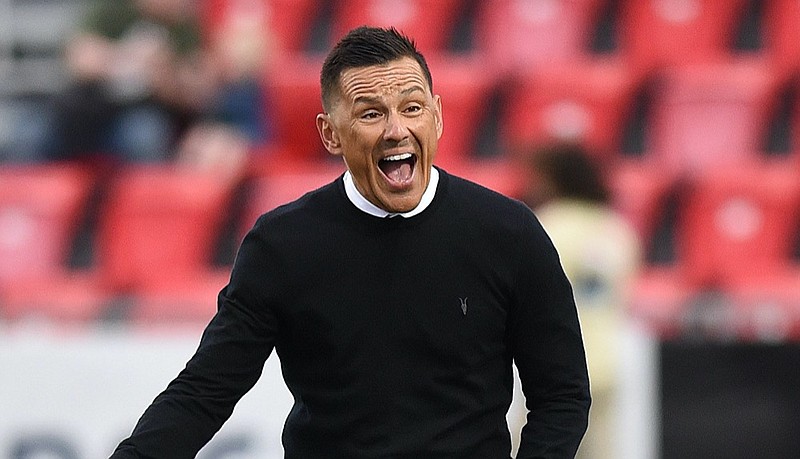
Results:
x,y
380,81
367,99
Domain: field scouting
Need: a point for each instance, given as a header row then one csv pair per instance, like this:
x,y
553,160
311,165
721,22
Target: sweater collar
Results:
x,y
365,206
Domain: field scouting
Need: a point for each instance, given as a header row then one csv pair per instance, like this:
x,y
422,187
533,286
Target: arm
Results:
x,y
226,365
549,354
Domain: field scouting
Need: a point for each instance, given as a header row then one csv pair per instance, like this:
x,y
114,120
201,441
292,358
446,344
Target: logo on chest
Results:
x,y
463,305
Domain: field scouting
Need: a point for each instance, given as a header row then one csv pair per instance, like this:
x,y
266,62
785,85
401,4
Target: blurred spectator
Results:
x,y
600,253
240,49
146,84
139,79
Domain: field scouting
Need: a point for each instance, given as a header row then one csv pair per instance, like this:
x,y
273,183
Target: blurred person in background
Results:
x,y
237,117
396,297
600,253
148,86
139,78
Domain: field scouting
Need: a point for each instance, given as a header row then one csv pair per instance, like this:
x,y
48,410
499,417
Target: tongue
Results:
x,y
397,171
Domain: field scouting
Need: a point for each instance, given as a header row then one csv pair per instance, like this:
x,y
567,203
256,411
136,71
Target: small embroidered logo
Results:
x,y
463,305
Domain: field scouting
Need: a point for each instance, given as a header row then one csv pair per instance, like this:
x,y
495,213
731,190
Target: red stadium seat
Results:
x,y
429,22
737,222
712,115
639,192
281,186
159,226
533,33
585,103
660,299
465,87
657,33
498,174
192,301
41,207
288,21
294,92
68,298
782,34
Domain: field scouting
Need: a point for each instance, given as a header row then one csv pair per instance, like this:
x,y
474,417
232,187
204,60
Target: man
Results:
x,y
396,335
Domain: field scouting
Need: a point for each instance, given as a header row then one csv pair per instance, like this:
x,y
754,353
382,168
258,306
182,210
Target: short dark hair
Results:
x,y
363,47
574,172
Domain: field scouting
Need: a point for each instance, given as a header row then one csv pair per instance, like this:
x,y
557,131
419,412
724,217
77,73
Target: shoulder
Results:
x,y
309,209
482,204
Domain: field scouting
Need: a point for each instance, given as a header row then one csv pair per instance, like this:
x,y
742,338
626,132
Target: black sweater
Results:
x,y
395,336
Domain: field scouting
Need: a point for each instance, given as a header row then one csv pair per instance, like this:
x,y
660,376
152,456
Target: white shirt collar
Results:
x,y
364,205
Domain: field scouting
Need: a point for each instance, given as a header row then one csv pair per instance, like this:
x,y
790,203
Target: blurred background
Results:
x,y
140,140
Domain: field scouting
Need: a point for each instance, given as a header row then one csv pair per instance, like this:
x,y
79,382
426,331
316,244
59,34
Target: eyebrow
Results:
x,y
371,99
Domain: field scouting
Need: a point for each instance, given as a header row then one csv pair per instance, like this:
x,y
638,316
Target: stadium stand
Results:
x,y
661,33
738,222
465,86
159,225
660,299
430,22
41,208
289,21
585,102
525,72
294,94
514,34
275,187
639,191
781,36
713,114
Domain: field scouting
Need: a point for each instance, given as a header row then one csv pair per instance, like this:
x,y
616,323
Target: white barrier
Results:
x,y
75,395
67,394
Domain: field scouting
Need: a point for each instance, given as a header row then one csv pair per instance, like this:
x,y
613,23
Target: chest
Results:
x,y
445,300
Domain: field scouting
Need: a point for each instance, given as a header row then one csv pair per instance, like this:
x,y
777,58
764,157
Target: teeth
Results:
x,y
399,157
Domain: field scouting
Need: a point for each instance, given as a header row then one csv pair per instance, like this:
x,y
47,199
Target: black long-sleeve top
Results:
x,y
395,336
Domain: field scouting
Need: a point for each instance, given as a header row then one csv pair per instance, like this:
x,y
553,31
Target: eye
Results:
x,y
413,108
370,115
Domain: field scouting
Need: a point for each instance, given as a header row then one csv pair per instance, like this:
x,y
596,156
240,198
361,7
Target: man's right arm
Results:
x,y
227,364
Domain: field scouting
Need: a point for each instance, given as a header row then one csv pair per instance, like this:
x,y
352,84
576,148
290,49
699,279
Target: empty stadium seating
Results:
x,y
429,22
661,33
704,134
288,21
190,301
499,174
659,299
41,209
159,224
712,114
74,298
781,33
586,102
294,93
533,33
272,189
735,223
465,87
639,191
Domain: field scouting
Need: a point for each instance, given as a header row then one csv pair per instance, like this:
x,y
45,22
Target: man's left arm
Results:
x,y
548,351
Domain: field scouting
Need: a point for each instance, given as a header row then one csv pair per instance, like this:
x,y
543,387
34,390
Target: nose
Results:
x,y
396,129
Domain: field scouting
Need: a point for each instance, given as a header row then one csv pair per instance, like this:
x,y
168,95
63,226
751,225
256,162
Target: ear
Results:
x,y
438,115
328,134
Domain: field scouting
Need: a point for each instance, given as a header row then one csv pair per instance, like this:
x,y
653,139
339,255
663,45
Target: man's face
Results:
x,y
386,124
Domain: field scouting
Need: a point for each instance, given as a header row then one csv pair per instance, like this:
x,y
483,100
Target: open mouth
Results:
x,y
399,169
